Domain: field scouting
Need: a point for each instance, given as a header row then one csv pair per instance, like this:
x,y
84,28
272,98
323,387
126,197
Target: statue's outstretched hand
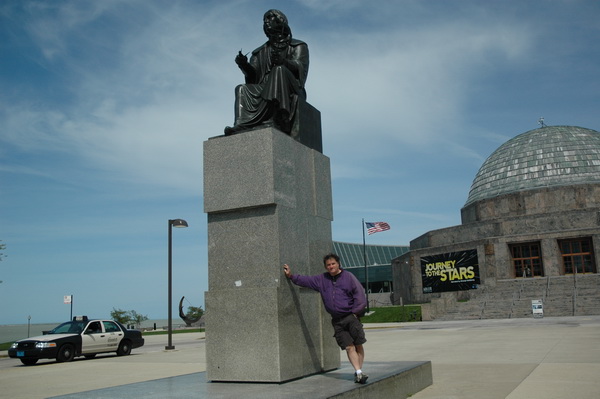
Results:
x,y
241,59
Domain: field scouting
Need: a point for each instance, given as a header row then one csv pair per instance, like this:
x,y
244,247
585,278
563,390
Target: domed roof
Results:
x,y
544,157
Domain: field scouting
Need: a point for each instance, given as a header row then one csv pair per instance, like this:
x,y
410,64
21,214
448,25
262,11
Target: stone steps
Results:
x,y
512,298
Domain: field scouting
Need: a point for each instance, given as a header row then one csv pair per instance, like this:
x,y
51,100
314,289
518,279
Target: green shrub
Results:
x,y
5,346
393,314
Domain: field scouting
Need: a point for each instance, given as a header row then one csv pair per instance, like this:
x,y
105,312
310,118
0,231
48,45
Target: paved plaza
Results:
x,y
512,358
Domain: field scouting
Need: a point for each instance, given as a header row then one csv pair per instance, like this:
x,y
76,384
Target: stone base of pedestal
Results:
x,y
268,200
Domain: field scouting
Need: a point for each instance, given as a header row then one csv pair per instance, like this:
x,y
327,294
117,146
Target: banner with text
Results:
x,y
454,271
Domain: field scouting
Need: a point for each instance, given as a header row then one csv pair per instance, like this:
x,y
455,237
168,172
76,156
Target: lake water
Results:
x,y
13,332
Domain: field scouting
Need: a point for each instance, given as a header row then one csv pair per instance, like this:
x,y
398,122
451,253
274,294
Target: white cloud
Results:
x,y
387,90
171,83
144,115
414,82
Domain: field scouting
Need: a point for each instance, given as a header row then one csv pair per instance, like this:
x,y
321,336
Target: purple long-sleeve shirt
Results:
x,y
342,294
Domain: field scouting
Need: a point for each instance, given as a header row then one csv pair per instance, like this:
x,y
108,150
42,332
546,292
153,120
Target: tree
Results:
x,y
127,317
194,312
137,318
119,315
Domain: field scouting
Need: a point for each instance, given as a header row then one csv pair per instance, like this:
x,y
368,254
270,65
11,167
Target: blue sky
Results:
x,y
105,106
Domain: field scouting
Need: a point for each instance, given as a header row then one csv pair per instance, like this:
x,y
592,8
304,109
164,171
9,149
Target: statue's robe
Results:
x,y
271,91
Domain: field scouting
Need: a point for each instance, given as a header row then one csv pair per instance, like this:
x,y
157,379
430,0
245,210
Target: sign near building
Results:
x,y
537,307
454,271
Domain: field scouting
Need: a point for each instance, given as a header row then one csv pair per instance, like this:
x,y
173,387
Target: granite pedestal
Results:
x,y
268,200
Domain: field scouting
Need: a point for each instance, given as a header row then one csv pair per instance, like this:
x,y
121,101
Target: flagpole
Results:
x,y
366,270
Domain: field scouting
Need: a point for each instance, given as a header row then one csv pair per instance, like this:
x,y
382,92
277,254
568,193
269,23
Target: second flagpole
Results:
x,y
366,270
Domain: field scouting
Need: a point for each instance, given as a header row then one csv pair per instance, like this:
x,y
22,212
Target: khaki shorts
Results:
x,y
348,330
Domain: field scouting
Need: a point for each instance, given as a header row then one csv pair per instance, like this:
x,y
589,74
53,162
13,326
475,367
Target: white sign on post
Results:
x,y
537,308
68,299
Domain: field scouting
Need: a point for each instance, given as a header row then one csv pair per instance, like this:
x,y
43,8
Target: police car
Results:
x,y
80,337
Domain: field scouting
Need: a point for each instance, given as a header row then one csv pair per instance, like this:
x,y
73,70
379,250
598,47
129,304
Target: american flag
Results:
x,y
376,227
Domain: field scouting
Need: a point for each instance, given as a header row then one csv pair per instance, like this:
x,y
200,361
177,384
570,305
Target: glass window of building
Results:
x,y
527,259
577,255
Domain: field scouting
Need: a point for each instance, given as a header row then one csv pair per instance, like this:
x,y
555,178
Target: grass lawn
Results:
x,y
161,332
393,314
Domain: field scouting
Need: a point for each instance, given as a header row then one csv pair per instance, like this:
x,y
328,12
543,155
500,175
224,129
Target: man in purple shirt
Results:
x,y
344,299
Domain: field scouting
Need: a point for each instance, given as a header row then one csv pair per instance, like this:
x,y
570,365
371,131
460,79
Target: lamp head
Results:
x,y
178,223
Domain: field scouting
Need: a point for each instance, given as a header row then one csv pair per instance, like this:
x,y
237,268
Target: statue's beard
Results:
x,y
279,40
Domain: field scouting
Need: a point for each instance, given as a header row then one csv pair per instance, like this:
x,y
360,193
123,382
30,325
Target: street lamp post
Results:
x,y
172,223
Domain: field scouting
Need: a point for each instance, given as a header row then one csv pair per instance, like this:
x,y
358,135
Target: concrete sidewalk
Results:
x,y
513,358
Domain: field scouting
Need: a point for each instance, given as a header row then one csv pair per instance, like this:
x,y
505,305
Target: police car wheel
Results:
x,y
66,353
124,348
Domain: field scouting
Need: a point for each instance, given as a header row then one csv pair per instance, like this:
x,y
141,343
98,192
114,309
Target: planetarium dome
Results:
x,y
550,156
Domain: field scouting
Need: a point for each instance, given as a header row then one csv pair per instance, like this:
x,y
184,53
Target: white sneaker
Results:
x,y
360,378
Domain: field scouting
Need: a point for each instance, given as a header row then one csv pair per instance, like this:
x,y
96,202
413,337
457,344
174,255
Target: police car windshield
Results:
x,y
70,327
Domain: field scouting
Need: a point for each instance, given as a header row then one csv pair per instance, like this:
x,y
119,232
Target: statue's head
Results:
x,y
275,24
